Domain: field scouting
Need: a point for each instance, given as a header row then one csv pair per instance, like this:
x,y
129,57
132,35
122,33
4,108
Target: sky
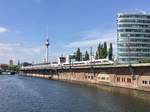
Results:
x,y
69,23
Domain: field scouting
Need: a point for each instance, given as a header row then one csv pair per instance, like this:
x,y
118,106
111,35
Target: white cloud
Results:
x,y
36,49
84,43
8,46
17,51
93,38
3,30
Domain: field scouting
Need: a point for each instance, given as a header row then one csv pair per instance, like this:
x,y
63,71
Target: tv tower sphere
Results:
x,y
47,43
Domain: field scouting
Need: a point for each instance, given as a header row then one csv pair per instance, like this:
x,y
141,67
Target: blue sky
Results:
x,y
70,23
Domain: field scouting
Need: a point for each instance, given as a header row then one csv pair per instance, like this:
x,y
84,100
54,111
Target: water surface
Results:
x,y
27,94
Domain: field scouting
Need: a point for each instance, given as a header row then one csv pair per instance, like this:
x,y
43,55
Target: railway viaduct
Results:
x,y
135,76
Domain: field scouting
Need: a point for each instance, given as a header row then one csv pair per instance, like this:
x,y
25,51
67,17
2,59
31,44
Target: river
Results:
x,y
28,94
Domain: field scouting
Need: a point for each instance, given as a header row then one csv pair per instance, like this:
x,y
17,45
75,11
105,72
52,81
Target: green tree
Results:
x,y
105,50
96,56
78,55
99,52
86,57
13,68
110,52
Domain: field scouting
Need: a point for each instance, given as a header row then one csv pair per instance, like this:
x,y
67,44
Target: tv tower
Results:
x,y
47,50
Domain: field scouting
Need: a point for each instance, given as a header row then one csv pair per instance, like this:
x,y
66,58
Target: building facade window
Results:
x,y
144,82
85,77
128,80
118,79
123,80
133,37
91,77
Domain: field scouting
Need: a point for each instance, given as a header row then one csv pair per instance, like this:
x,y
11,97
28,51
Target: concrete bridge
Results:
x,y
135,76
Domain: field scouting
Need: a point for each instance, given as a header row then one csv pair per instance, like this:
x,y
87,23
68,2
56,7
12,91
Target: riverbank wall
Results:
x,y
133,77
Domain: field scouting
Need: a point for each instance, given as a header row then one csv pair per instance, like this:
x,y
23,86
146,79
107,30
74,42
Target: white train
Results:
x,y
93,62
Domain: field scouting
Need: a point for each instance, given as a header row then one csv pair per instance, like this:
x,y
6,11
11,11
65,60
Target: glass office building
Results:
x,y
133,37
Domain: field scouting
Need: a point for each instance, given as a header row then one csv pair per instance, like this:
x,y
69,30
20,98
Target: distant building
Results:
x,y
67,60
3,66
11,62
61,60
133,37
